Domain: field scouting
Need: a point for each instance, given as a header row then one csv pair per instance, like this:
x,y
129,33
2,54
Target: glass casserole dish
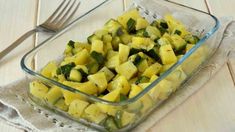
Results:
x,y
130,112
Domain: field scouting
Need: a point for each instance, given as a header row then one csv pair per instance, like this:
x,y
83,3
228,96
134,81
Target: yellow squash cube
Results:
x,y
127,69
167,54
119,83
77,107
100,80
53,95
94,114
152,70
38,89
49,70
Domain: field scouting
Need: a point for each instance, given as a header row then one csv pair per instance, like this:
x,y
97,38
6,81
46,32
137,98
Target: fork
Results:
x,y
59,18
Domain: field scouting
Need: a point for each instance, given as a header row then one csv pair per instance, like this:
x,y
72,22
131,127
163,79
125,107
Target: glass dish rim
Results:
x,y
144,91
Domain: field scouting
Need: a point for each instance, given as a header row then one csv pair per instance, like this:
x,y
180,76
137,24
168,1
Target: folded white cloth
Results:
x,y
18,110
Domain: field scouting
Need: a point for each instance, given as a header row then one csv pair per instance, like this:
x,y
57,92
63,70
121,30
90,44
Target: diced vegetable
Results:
x,y
93,113
127,66
112,96
113,62
127,118
77,107
152,70
92,38
100,80
49,69
123,52
141,23
113,27
178,42
142,43
108,74
38,89
98,57
92,67
142,79
167,54
192,39
65,69
75,75
53,95
61,105
110,124
119,83
153,32
123,19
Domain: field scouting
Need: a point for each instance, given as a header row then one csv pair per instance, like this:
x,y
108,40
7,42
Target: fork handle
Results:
x,y
16,43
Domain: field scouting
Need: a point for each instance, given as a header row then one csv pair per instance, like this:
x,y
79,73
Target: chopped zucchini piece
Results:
x,y
126,38
108,74
154,53
134,51
91,38
142,43
137,60
111,53
115,42
61,105
100,80
49,70
69,48
142,33
81,57
113,27
86,87
112,96
123,19
178,42
141,23
127,66
117,118
110,124
119,83
93,113
127,118
131,26
153,32
192,39
152,70
80,46
142,79
107,38
77,107
167,54
123,52
142,66
92,67
163,41
113,62
53,95
101,33
75,75
97,46
98,57
38,89
65,69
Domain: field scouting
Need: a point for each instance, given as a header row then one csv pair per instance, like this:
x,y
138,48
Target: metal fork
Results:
x,y
53,24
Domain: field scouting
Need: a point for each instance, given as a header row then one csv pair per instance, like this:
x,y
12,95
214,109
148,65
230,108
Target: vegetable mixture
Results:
x,y
116,63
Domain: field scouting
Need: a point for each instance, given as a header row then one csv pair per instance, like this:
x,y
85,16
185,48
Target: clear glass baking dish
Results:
x,y
139,107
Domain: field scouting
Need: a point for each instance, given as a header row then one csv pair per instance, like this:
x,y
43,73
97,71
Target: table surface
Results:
x,y
210,109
